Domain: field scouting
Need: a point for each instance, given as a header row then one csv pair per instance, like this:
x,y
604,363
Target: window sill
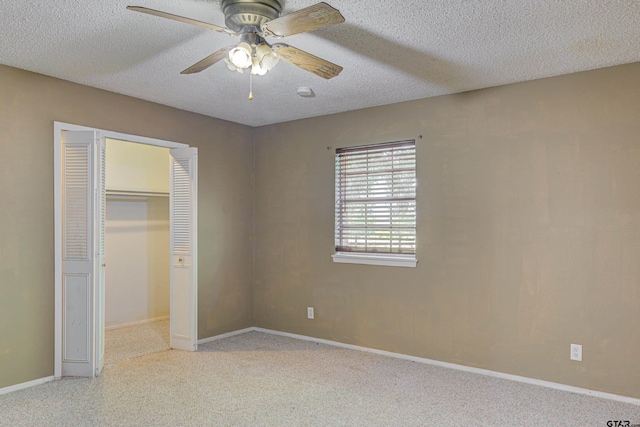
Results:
x,y
374,259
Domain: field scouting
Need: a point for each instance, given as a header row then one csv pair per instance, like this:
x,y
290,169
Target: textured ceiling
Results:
x,y
390,51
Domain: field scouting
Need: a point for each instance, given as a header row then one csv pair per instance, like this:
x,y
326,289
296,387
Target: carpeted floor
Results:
x,y
258,379
135,341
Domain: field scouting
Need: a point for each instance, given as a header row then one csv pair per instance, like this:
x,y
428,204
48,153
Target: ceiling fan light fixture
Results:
x,y
240,56
269,61
256,69
264,59
262,50
232,67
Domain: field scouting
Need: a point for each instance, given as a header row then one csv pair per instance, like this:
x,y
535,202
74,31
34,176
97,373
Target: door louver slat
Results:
x,y
103,200
181,197
77,202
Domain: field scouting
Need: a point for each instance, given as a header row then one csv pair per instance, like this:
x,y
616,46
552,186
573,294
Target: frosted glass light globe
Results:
x,y
240,55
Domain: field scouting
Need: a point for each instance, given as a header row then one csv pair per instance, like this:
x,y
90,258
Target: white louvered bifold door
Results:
x,y
100,261
80,252
183,226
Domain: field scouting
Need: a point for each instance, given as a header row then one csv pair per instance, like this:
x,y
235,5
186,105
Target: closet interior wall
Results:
x,y
137,234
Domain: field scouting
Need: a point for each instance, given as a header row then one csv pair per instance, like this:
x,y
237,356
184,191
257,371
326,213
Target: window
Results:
x,y
376,204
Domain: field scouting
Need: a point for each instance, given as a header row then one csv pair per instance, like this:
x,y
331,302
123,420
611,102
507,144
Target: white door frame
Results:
x,y
58,127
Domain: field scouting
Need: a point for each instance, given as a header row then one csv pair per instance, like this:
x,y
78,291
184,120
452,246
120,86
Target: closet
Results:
x,y
137,234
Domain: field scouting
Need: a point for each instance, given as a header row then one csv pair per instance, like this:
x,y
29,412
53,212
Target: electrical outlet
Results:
x,y
309,312
576,352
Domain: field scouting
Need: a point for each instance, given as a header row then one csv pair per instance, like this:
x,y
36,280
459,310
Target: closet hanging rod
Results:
x,y
136,193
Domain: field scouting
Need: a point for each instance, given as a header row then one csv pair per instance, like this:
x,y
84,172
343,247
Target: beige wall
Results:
x,y
136,167
29,103
528,231
528,225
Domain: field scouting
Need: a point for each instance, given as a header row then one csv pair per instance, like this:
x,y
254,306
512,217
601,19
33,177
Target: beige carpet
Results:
x,y
257,379
135,341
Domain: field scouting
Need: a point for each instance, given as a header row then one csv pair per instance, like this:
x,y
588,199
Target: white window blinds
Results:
x,y
376,198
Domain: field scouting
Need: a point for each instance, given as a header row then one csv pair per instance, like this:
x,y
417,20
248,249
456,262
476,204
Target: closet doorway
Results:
x,y
80,223
136,250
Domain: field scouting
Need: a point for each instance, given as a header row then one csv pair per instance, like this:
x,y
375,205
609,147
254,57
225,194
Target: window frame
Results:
x,y
372,257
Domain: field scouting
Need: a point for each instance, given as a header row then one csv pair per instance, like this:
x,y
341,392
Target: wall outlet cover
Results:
x,y
576,352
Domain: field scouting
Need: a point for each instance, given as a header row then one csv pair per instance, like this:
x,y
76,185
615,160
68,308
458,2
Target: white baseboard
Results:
x,y
486,372
227,335
138,323
28,384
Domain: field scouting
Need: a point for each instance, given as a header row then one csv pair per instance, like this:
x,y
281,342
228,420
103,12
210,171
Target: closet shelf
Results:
x,y
119,193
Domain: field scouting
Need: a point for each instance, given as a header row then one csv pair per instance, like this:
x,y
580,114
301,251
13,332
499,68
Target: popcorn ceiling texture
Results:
x,y
391,51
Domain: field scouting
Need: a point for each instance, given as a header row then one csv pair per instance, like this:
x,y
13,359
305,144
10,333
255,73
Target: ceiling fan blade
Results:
x,y
180,19
306,61
311,18
208,61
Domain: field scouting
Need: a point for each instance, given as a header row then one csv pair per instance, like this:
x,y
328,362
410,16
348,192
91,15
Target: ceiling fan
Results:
x,y
253,21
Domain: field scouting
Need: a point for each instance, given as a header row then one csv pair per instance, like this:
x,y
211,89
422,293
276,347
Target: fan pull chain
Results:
x,y
250,86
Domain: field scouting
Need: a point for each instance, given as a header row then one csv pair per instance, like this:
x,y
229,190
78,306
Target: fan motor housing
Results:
x,y
241,13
